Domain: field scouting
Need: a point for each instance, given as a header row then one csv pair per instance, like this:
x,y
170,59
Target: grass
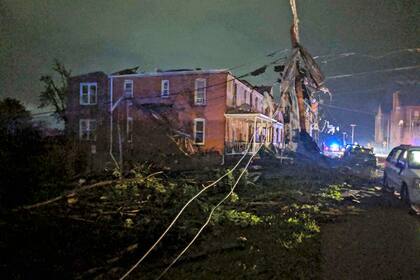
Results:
x,y
266,230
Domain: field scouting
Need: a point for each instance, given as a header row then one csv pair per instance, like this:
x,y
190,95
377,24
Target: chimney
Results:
x,y
396,101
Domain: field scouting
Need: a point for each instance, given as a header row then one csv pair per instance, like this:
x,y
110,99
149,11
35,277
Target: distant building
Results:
x,y
210,110
402,124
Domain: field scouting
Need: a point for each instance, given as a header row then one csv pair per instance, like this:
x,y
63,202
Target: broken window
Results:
x,y
165,88
88,93
200,92
199,131
87,129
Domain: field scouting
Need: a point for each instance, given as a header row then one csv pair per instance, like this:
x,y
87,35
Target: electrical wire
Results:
x,y
375,57
372,72
238,78
210,216
181,211
347,109
270,54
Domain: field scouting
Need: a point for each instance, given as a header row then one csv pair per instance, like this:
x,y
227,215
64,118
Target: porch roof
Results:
x,y
252,116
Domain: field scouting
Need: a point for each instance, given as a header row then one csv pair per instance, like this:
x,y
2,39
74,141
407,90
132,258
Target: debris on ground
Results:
x,y
270,227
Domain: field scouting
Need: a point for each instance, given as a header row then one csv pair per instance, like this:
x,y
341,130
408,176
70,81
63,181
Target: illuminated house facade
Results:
x,y
401,125
211,109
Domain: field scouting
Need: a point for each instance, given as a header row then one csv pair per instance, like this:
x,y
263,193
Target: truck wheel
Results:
x,y
405,197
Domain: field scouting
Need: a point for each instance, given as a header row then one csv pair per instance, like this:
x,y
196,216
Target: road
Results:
x,y
381,242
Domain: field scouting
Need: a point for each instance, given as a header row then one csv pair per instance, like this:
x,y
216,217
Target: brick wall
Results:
x,y
96,150
147,90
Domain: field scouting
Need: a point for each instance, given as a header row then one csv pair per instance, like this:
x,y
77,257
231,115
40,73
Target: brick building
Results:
x,y
401,125
210,110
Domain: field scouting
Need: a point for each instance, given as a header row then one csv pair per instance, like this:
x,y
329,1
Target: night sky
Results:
x,y
93,35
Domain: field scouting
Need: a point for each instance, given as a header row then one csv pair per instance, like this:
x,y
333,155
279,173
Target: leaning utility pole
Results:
x,y
295,40
300,79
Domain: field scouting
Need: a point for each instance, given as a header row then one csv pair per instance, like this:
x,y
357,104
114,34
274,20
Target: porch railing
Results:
x,y
240,147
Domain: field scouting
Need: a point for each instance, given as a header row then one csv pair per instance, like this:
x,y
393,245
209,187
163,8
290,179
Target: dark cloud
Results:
x,y
104,35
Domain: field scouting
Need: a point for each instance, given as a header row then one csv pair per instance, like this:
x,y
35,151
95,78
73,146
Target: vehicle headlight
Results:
x,y
417,183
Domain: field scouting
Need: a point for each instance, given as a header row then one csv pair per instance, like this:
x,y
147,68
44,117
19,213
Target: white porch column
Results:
x,y
247,131
255,134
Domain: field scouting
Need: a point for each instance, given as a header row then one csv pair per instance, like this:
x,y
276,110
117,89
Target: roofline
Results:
x,y
247,115
171,73
253,88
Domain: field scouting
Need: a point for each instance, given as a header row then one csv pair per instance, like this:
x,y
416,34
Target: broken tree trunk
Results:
x,y
301,102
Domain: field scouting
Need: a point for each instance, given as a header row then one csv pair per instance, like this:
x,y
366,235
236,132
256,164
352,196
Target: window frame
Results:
x,y
395,157
196,88
197,120
162,88
88,129
89,94
131,93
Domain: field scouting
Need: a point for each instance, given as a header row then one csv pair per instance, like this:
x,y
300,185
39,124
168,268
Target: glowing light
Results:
x,y
335,147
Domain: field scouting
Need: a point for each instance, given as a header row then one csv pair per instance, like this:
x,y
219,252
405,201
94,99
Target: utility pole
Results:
x,y
352,132
294,37
344,138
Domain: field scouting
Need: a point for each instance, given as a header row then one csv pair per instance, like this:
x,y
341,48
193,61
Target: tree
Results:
x,y
13,116
54,93
20,148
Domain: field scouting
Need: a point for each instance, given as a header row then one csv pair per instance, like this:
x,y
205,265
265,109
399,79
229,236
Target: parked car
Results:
x,y
356,155
402,173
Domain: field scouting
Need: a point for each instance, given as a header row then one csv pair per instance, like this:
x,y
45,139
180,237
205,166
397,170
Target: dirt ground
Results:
x,y
380,242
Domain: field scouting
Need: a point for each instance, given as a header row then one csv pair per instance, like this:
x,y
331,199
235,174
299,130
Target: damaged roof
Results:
x,y
262,89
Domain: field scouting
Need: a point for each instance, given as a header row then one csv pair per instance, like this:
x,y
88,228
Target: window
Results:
x,y
250,100
200,92
128,88
164,88
88,93
396,155
129,130
403,158
87,129
414,159
235,93
199,131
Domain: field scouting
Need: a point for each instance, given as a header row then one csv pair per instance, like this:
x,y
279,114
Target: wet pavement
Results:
x,y
380,239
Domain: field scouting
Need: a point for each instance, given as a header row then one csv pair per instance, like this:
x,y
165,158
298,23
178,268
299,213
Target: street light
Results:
x,y
344,139
352,132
